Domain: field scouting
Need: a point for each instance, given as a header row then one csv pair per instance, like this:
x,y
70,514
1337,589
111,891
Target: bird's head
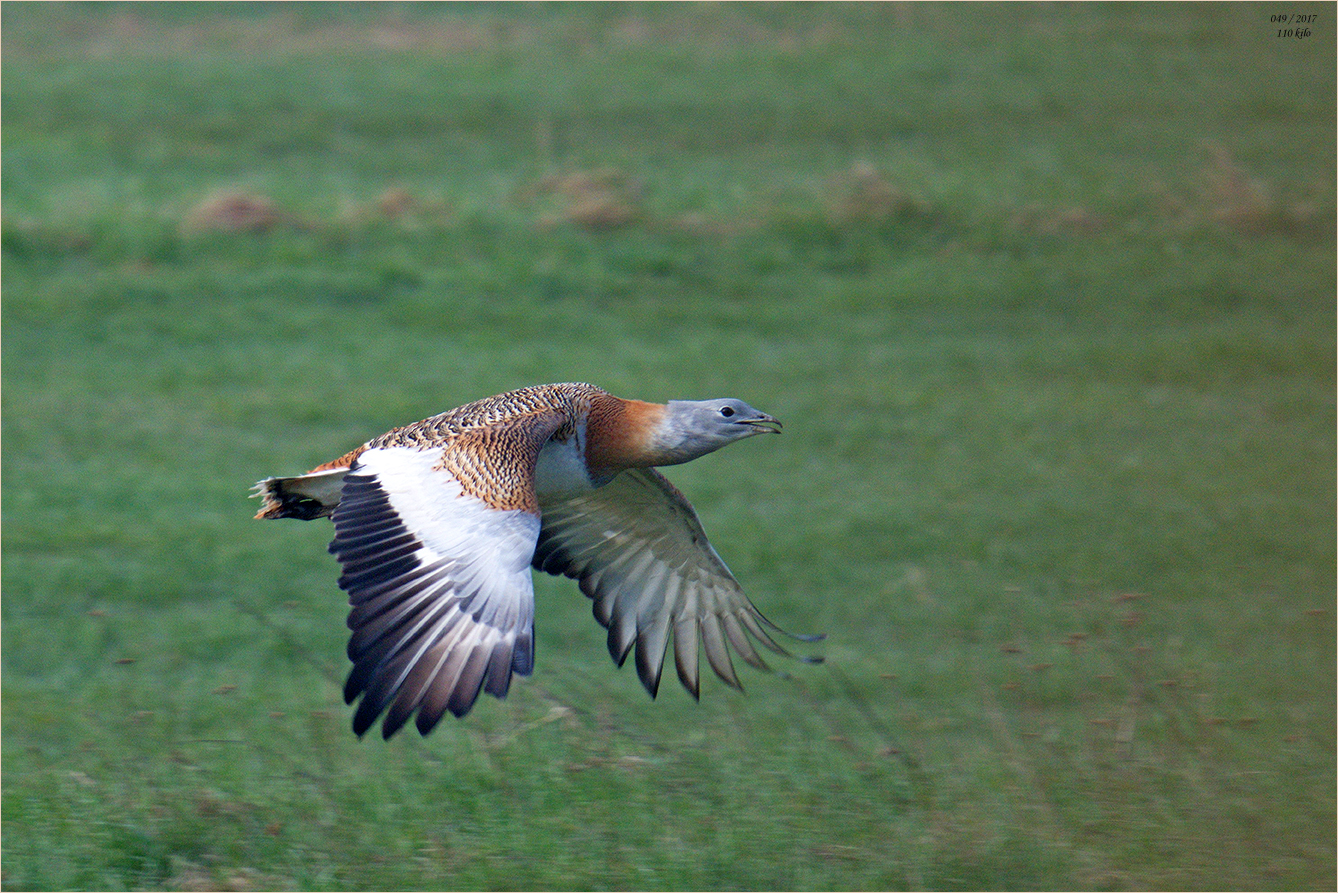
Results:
x,y
692,428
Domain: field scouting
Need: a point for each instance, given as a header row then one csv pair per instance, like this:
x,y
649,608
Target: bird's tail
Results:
x,y
306,496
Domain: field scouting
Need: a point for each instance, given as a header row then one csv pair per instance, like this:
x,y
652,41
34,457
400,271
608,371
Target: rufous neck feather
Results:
x,y
622,434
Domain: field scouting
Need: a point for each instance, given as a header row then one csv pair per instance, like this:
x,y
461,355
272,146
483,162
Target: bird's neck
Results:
x,y
623,434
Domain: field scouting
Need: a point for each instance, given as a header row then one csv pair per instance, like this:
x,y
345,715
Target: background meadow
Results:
x,y
1043,294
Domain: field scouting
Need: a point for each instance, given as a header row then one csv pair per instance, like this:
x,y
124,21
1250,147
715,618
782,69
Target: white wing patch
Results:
x,y
640,553
440,588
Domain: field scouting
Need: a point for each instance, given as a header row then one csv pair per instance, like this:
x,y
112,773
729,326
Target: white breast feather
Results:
x,y
560,470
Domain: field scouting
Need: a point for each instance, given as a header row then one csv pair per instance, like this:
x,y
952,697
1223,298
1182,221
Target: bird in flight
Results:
x,y
438,523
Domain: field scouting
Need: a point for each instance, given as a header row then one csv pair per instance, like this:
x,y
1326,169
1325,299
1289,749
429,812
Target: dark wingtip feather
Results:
x,y
733,683
425,723
457,710
363,719
649,670
798,637
393,724
618,653
686,661
522,655
497,682
353,686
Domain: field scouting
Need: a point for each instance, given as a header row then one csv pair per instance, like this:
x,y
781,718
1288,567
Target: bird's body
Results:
x,y
438,523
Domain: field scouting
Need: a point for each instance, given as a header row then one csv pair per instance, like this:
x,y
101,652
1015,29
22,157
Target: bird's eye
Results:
x,y
727,411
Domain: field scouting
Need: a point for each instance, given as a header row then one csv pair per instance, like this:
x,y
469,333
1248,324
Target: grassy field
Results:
x,y
1043,294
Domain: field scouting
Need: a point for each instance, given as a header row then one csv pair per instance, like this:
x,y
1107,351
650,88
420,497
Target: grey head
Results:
x,y
692,428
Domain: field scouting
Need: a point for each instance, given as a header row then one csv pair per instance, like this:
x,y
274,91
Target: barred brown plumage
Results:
x,y
437,524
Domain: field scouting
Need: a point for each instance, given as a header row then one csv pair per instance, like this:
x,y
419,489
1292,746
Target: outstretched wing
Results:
x,y
436,561
640,553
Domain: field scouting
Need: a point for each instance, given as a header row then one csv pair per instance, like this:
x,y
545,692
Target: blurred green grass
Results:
x,y
1043,294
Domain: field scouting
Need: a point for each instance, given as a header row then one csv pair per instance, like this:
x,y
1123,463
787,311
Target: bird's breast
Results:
x,y
560,470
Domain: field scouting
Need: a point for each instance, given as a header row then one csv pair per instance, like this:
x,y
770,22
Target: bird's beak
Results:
x,y
766,423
